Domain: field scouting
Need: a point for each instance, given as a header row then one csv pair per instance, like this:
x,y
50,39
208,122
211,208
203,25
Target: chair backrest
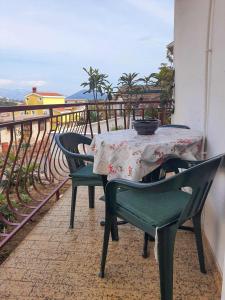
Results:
x,y
199,178
172,164
176,126
69,142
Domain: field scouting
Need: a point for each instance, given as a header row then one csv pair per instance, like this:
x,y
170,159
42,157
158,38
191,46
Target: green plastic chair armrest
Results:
x,y
115,184
76,155
172,183
199,178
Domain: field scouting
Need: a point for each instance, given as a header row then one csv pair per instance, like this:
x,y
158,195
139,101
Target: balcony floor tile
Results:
x,y
55,262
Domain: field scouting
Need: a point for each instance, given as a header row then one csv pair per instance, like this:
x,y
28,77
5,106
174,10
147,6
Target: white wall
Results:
x,y
190,41
191,20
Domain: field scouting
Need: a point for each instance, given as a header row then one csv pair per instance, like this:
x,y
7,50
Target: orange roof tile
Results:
x,y
48,94
59,108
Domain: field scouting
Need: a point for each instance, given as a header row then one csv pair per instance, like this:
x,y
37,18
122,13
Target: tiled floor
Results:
x,y
54,262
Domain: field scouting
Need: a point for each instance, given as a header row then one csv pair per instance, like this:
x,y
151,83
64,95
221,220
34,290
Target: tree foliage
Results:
x,y
130,86
108,90
147,80
164,79
96,82
128,80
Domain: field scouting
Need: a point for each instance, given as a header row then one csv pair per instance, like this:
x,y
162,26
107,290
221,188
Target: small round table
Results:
x,y
125,154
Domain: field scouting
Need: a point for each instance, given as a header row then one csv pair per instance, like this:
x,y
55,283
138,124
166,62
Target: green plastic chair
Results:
x,y
171,164
159,209
81,170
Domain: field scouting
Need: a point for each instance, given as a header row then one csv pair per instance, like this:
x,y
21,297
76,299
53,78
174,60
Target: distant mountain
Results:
x,y
87,96
14,94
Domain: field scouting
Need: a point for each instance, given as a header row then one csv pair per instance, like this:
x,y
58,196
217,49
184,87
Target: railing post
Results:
x,y
88,120
57,194
50,112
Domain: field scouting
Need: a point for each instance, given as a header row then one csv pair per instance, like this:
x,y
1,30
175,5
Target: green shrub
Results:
x,y
120,127
151,113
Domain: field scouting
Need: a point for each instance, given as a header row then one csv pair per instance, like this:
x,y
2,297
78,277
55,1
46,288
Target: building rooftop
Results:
x,y
48,94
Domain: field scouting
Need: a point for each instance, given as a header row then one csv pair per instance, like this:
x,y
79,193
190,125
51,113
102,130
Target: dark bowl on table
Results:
x,y
146,127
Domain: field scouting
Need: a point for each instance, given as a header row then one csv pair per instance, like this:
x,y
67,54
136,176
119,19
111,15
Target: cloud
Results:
x,y
20,84
155,8
5,82
52,40
36,83
153,40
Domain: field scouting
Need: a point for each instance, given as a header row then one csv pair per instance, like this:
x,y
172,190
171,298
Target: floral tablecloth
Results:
x,y
125,154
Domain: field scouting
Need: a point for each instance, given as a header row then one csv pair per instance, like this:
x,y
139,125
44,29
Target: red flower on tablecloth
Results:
x,y
122,144
138,162
113,146
185,141
111,169
129,170
158,153
160,160
137,152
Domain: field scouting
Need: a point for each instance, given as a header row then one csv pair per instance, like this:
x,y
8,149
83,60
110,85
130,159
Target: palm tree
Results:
x,y
108,89
128,83
96,82
129,88
147,79
128,80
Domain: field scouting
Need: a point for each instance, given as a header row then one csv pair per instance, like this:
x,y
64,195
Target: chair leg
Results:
x,y
73,204
113,226
199,244
91,194
105,247
114,229
166,240
145,253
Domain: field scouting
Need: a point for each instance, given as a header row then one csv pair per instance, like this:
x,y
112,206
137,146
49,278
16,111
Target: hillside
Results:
x,y
88,96
15,94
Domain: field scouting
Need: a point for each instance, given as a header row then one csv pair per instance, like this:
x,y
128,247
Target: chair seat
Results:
x,y
155,209
86,175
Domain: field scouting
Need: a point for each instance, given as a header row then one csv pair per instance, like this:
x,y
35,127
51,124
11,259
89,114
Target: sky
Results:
x,y
46,43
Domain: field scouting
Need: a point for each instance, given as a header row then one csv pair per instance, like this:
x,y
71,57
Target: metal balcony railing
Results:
x,y
32,168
